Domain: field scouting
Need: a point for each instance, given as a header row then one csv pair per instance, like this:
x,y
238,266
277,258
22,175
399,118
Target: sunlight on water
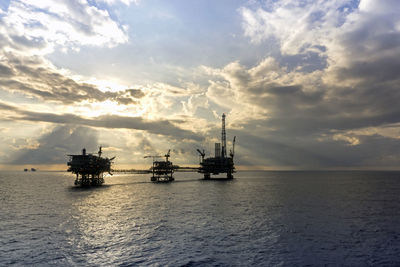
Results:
x,y
260,218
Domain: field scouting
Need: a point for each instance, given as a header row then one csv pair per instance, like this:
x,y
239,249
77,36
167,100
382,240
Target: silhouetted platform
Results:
x,y
89,168
221,162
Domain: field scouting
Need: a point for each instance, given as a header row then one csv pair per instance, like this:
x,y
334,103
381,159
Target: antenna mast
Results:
x,y
223,137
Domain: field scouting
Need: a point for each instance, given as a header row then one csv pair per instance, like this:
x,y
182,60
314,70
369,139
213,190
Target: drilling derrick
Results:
x,y
223,137
221,162
89,168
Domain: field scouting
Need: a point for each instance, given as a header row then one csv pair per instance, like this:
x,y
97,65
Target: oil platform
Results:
x,y
162,171
89,168
221,162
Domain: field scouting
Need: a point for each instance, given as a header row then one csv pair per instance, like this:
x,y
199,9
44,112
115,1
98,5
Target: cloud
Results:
x,y
159,127
136,93
32,29
35,77
41,26
303,103
304,152
297,26
286,116
54,147
195,102
325,98
342,31
5,71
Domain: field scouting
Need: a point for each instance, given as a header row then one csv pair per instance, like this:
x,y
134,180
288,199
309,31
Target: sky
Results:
x,y
310,84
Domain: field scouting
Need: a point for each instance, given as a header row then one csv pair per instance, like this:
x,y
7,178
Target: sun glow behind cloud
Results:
x,y
305,85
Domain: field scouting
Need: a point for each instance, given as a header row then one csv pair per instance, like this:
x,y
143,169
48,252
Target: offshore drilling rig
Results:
x,y
162,171
221,162
89,168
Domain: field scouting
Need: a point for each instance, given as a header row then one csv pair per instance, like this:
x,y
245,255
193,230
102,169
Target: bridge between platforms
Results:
x,y
176,169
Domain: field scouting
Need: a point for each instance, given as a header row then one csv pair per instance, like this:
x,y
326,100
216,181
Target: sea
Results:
x,y
263,218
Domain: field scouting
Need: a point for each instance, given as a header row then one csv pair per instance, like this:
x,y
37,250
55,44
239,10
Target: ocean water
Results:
x,y
256,219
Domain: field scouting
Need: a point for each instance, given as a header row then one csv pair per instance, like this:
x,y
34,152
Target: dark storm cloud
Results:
x,y
297,120
380,70
295,111
284,90
54,147
372,44
136,93
312,119
30,76
276,150
368,105
282,149
5,71
161,127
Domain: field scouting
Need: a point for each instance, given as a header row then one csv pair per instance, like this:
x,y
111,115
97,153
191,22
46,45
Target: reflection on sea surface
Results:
x,y
103,218
259,218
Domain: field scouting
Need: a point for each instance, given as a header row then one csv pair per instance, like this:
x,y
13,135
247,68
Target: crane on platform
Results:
x,y
167,155
89,168
162,170
152,156
202,154
221,162
232,151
